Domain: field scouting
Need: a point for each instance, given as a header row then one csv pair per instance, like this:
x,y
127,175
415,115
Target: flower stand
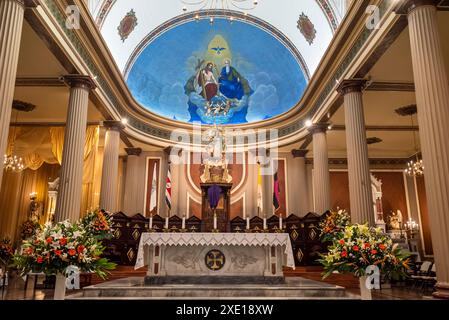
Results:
x,y
365,292
60,287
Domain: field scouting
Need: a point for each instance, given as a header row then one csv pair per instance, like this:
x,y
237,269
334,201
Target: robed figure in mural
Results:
x,y
232,84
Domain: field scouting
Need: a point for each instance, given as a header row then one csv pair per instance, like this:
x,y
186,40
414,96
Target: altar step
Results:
x,y
311,273
134,288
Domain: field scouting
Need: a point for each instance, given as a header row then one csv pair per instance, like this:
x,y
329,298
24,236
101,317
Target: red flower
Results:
x,y
39,260
81,249
49,240
63,241
29,251
367,245
355,248
382,246
58,252
342,242
344,254
373,251
72,252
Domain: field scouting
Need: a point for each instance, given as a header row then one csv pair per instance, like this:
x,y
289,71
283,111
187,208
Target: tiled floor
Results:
x,y
16,291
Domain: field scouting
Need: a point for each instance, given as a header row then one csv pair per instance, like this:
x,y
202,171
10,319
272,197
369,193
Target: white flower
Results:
x,y
78,234
57,235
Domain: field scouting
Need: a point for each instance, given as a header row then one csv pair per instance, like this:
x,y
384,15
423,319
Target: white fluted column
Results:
x,y
11,22
321,176
131,199
109,178
432,96
302,190
68,205
360,192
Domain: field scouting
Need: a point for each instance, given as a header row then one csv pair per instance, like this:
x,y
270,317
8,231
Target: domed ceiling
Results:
x,y
184,67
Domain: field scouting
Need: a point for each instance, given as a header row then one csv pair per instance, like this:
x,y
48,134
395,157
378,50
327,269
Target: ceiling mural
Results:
x,y
221,73
127,25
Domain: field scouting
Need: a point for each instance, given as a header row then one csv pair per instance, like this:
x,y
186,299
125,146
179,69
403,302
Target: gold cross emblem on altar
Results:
x,y
215,260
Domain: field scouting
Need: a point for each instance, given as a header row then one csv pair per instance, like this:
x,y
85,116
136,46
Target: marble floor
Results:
x,y
16,291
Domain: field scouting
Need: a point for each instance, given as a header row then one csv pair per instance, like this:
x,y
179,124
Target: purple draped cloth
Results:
x,y
213,194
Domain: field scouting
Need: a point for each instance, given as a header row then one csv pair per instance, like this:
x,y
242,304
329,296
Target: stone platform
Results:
x,y
134,288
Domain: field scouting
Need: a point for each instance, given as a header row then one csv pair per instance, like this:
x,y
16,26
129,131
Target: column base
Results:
x,y
442,291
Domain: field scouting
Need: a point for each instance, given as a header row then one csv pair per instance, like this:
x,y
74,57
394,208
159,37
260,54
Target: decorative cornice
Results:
x,y
79,81
39,82
351,85
372,161
133,151
23,106
407,6
391,86
319,128
28,4
299,153
113,125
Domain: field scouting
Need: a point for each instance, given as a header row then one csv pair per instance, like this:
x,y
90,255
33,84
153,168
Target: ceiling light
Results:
x,y
309,123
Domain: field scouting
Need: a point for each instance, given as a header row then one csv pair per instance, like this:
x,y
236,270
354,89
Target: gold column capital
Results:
x,y
351,85
318,128
79,81
407,6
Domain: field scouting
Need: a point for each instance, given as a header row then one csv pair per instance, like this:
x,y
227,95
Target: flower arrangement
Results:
x,y
98,224
6,253
29,228
333,225
53,248
358,247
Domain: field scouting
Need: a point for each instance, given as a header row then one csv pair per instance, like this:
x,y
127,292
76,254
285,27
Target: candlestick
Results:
x,y
265,224
166,223
215,221
151,222
280,222
183,223
247,224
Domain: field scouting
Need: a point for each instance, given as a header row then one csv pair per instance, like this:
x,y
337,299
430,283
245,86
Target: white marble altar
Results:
x,y
208,255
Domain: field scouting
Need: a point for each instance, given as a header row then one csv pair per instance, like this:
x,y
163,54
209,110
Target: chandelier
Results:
x,y
415,167
225,6
12,162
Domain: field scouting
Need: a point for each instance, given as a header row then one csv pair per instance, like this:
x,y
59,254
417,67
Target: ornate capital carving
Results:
x,y
351,85
299,153
28,4
406,6
113,125
79,81
134,151
318,128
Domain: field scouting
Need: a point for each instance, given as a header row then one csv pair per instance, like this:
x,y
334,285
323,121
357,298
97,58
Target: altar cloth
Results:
x,y
216,239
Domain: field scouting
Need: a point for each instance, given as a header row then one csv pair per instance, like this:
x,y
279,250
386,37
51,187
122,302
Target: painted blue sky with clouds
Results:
x,y
159,75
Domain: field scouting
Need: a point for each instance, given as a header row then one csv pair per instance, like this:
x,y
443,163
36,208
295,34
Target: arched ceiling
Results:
x,y
325,15
174,60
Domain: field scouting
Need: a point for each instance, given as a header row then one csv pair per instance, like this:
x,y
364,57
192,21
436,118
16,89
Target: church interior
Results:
x,y
228,142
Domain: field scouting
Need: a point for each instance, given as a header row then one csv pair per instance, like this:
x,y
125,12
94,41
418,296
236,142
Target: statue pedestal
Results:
x,y
223,209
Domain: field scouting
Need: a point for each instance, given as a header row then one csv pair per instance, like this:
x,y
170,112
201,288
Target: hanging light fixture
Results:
x,y
415,167
224,6
11,161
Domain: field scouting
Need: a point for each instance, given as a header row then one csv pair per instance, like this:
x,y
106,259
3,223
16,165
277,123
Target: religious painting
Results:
x,y
307,28
223,73
127,25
